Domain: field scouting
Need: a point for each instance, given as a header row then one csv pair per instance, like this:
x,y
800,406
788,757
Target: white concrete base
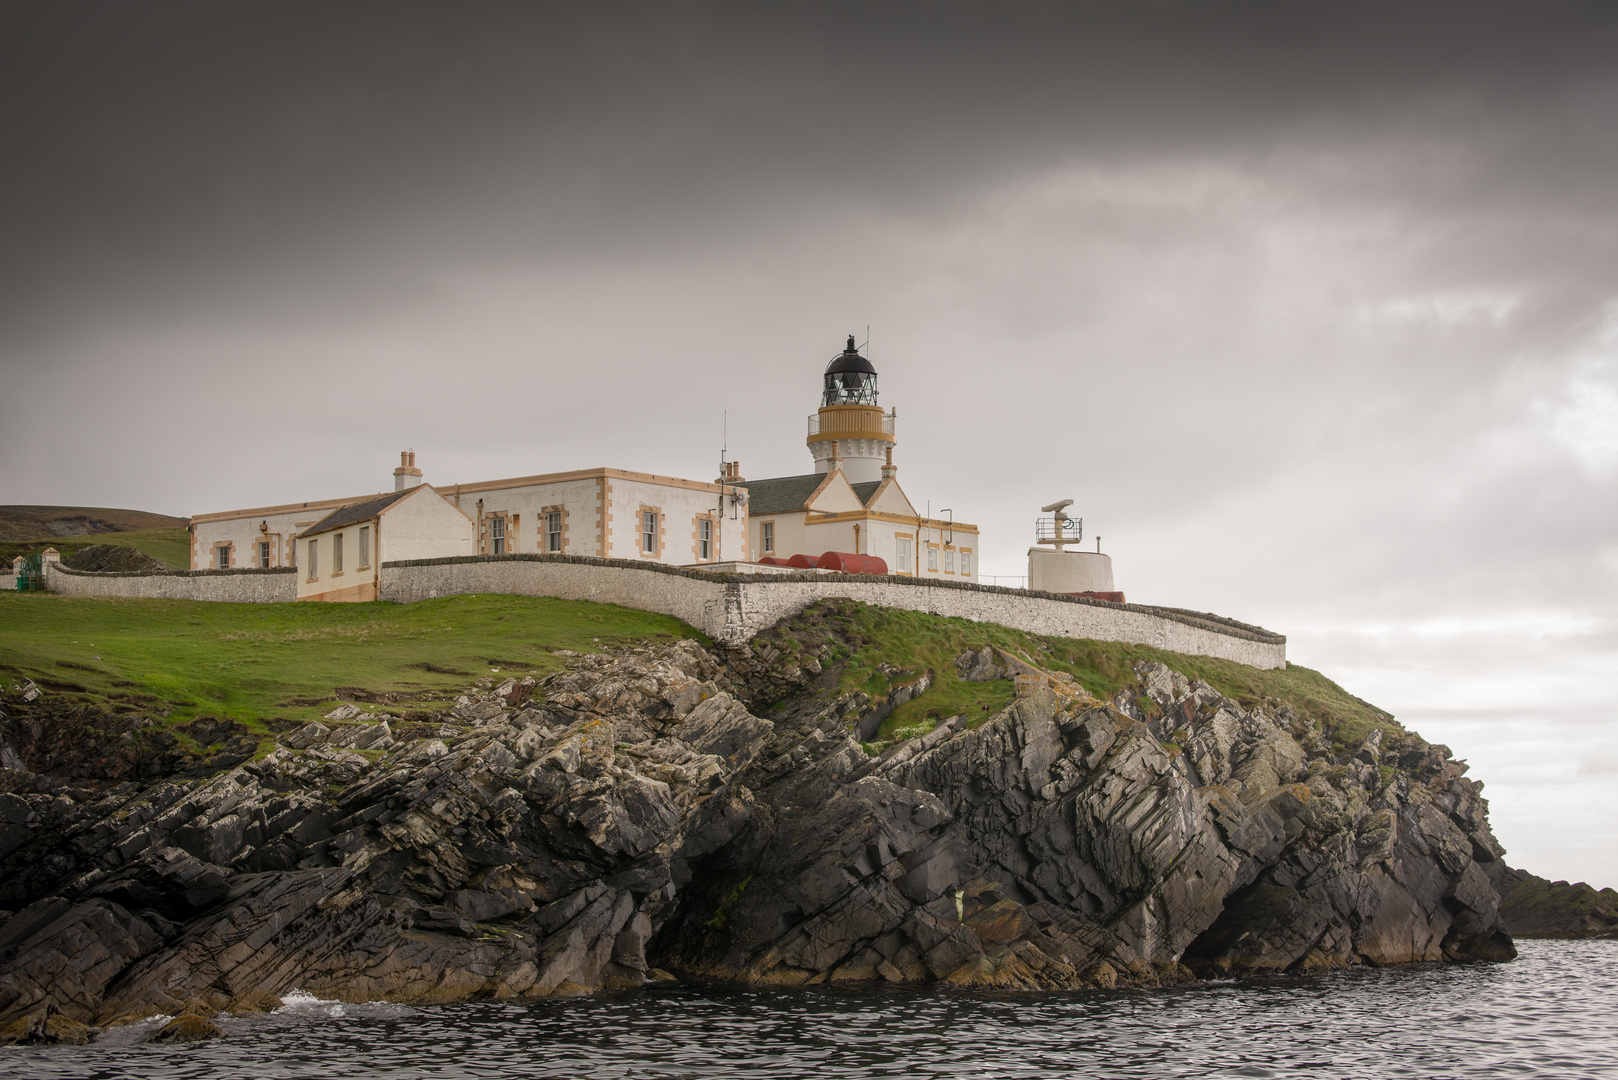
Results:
x,y
1055,571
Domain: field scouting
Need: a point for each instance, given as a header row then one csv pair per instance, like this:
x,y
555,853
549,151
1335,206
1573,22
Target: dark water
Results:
x,y
1552,1013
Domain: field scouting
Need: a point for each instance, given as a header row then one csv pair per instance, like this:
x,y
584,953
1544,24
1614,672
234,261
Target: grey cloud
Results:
x,y
1309,305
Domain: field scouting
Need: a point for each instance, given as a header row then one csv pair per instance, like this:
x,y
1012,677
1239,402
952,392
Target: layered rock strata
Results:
x,y
714,815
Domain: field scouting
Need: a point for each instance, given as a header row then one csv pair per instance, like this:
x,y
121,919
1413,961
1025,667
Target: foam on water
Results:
x,y
1549,1014
303,1003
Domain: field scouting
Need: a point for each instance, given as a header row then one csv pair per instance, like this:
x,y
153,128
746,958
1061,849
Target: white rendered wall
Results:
x,y
789,536
352,579
245,532
821,538
579,499
836,497
679,506
423,526
862,458
1055,571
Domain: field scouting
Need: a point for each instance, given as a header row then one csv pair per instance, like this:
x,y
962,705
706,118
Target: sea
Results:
x,y
1553,1012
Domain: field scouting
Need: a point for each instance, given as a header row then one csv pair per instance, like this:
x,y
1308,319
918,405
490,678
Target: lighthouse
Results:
x,y
851,432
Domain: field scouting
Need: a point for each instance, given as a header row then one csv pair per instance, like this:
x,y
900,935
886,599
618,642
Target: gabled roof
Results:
x,y
782,495
788,494
357,512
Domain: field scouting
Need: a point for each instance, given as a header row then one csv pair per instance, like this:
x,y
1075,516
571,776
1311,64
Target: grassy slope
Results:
x,y
256,661
918,642
251,662
172,546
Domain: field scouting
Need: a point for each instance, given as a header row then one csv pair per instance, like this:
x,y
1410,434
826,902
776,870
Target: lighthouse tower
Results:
x,y
851,431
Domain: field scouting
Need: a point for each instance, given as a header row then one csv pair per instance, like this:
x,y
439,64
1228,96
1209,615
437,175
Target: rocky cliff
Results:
x,y
677,810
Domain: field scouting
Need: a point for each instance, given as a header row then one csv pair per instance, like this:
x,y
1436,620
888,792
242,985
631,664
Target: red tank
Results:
x,y
771,560
850,563
802,562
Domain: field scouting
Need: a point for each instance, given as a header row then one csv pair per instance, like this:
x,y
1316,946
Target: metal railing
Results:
x,y
1018,581
1068,530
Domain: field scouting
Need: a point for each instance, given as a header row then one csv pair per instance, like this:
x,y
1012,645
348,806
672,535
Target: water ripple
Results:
x,y
1550,1014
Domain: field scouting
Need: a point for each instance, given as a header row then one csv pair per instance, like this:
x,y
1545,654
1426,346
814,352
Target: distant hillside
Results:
x,y
41,522
70,529
171,547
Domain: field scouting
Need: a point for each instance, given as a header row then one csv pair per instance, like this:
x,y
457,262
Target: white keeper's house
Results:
x,y
851,503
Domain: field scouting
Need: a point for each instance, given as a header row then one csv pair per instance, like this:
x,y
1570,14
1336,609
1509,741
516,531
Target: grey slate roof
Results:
x,y
782,495
786,494
355,512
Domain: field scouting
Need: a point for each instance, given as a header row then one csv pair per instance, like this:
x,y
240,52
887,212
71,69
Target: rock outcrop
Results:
x,y
113,558
1533,907
714,815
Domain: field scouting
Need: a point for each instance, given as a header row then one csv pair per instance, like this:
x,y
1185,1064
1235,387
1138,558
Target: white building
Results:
x,y
610,513
1071,571
340,556
852,502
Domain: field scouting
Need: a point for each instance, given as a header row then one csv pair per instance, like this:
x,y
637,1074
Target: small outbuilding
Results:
x,y
340,556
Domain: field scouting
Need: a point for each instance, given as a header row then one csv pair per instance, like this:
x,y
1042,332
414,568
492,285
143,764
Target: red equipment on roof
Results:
x,y
849,563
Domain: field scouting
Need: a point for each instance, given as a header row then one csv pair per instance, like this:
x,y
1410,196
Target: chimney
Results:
x,y
889,469
406,475
732,474
836,457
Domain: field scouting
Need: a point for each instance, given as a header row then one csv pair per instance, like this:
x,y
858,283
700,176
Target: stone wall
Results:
x,y
693,597
732,608
727,607
244,586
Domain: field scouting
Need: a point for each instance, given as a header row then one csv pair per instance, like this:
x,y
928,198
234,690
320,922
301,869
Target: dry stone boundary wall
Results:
x,y
732,608
240,586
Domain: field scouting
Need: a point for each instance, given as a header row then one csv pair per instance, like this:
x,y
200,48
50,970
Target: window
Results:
x,y
553,531
264,554
337,554
966,562
648,532
365,545
905,556
949,561
704,539
497,535
223,551
932,558
767,538
314,559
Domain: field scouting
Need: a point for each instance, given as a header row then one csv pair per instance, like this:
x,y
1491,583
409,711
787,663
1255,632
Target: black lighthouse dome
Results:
x,y
850,379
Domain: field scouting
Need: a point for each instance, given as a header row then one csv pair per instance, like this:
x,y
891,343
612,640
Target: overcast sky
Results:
x,y
1312,308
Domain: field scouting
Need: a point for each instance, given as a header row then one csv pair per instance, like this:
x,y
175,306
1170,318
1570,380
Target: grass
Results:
x,y
252,662
171,546
917,642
